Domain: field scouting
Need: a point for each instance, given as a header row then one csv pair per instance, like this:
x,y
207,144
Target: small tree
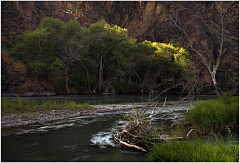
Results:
x,y
103,40
212,71
70,46
125,56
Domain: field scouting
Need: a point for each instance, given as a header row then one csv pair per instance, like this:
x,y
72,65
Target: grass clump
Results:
x,y
215,115
6,105
86,105
21,105
63,105
49,104
196,151
26,106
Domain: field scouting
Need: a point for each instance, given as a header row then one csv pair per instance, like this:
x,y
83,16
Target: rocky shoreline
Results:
x,y
16,119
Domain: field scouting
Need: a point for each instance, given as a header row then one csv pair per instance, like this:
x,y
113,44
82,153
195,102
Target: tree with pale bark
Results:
x,y
222,9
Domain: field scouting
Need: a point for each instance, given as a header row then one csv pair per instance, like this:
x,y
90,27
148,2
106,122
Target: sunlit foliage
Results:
x,y
99,58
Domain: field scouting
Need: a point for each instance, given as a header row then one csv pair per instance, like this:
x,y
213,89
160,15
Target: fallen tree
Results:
x,y
138,133
140,137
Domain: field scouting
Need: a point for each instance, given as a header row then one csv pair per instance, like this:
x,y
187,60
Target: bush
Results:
x,y
215,115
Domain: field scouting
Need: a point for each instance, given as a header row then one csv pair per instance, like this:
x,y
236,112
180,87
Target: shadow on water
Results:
x,y
85,138
106,99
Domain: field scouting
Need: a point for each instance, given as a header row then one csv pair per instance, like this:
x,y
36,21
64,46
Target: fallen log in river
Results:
x,y
138,136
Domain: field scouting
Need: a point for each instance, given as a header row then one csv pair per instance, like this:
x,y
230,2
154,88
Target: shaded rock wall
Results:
x,y
148,20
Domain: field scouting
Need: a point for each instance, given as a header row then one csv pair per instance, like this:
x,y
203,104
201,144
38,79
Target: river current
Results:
x,y
83,138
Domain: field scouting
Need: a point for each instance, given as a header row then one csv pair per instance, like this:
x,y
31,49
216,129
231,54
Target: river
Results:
x,y
83,138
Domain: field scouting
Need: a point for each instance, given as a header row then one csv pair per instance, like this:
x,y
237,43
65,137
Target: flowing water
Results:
x,y
83,138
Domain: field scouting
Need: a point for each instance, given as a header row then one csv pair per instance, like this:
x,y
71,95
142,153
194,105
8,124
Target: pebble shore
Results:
x,y
13,119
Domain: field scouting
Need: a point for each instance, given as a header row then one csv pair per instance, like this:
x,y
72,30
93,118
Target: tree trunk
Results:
x,y
217,91
129,81
100,73
106,89
216,88
89,88
66,79
213,75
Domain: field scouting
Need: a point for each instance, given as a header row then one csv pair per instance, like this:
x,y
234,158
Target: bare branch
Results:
x,y
189,133
176,23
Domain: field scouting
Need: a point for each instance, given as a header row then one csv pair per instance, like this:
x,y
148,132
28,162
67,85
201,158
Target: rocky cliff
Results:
x,y
148,20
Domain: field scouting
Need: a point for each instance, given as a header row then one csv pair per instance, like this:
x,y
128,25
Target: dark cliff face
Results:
x,y
144,20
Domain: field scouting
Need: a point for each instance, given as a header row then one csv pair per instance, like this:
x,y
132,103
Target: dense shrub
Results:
x,y
215,115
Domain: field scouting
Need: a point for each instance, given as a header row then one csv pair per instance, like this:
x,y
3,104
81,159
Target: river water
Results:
x,y
83,138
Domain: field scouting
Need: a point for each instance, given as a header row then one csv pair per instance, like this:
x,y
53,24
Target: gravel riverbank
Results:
x,y
40,116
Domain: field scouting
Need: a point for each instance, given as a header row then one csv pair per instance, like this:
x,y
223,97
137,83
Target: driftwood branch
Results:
x,y
189,94
172,125
151,100
125,131
129,145
189,133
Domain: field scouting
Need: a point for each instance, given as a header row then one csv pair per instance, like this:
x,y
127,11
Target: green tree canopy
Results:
x,y
102,57
35,48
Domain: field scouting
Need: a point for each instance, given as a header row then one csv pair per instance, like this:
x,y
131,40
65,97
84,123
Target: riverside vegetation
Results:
x,y
195,151
26,112
49,105
209,118
213,116
100,58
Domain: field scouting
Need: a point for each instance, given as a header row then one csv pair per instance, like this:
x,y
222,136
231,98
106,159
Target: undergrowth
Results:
x,y
212,117
22,106
196,150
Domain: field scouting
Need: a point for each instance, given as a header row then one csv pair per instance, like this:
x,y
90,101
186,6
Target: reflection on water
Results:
x,y
85,138
108,99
